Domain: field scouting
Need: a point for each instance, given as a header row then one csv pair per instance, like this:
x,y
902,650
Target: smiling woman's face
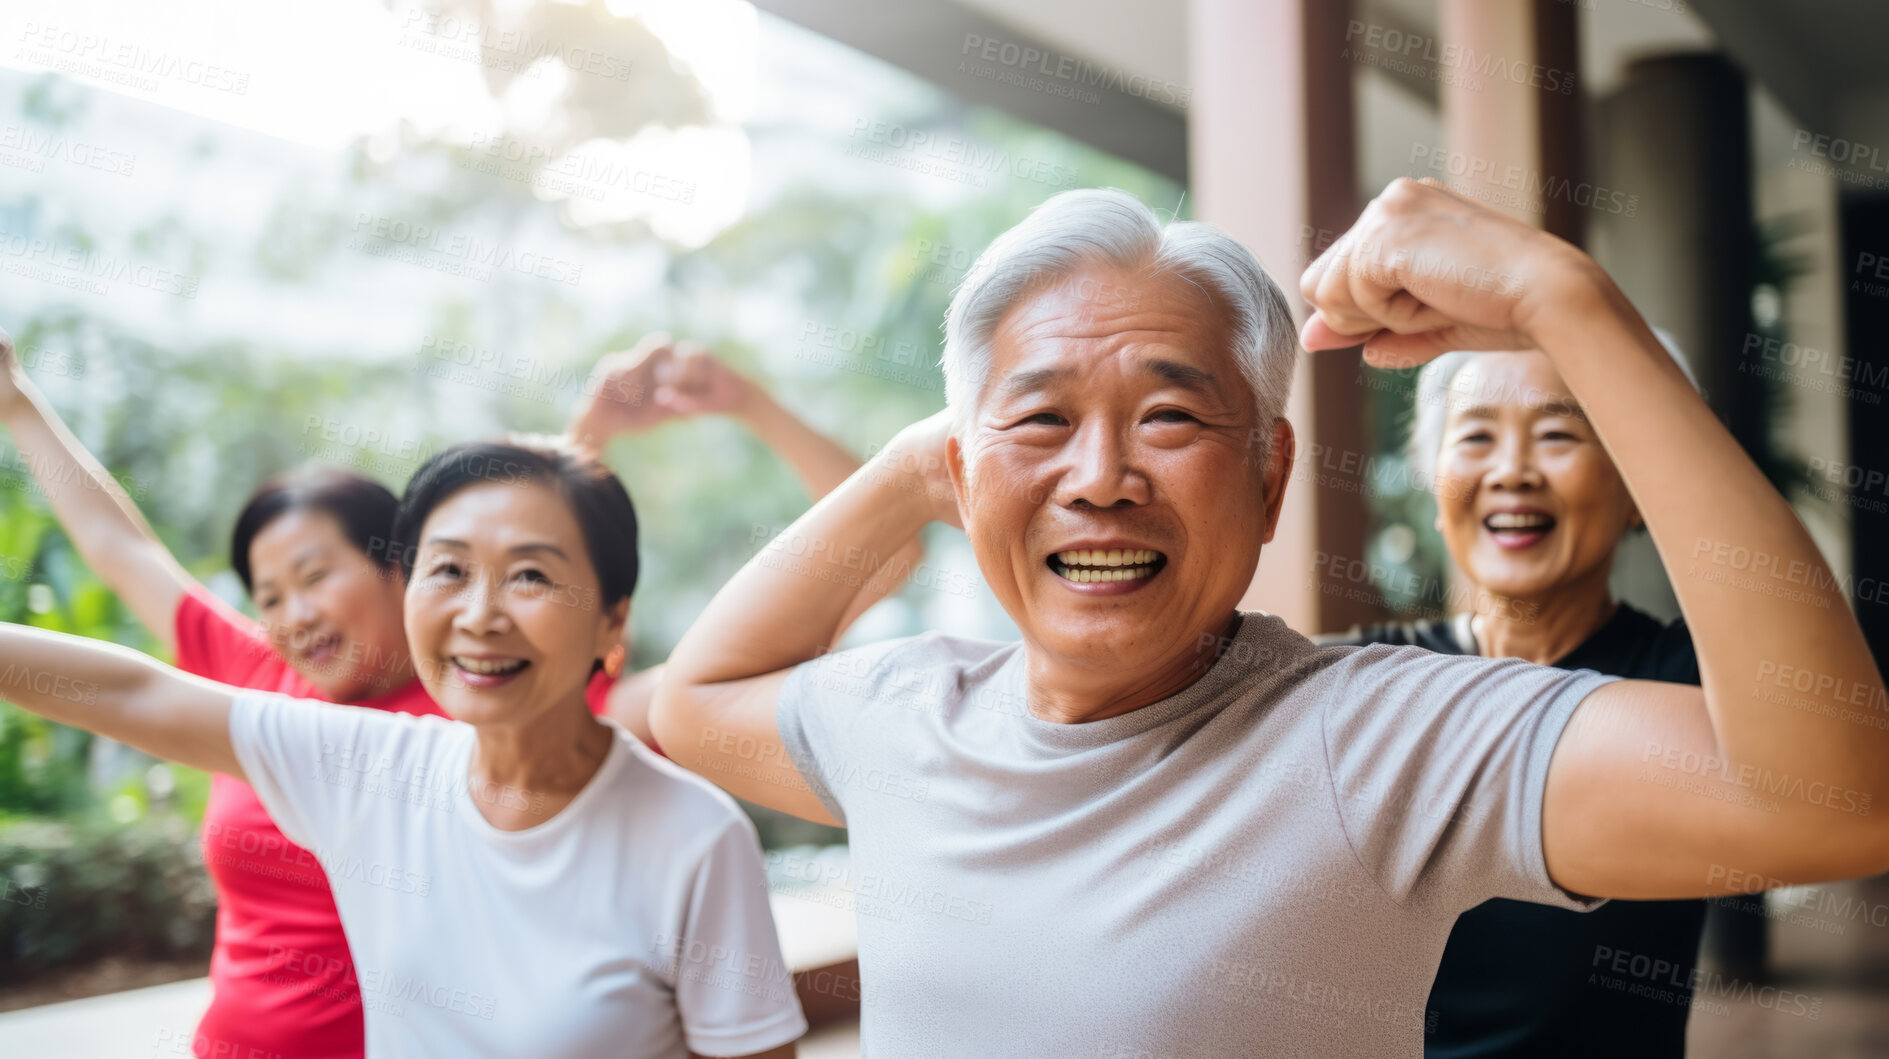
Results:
x,y
329,610
1528,501
1109,476
503,611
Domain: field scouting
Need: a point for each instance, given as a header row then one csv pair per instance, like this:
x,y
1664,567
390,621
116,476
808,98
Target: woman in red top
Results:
x,y
310,547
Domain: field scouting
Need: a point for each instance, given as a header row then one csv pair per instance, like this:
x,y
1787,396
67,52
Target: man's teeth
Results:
x,y
1107,557
1516,521
1113,564
1126,573
489,667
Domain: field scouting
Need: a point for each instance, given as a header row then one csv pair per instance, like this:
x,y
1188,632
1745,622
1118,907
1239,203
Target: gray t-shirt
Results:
x,y
1267,863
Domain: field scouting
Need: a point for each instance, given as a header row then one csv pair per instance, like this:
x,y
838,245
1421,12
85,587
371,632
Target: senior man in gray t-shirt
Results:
x,y
1159,826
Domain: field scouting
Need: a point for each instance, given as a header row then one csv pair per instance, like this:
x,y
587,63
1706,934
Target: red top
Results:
x,y
283,982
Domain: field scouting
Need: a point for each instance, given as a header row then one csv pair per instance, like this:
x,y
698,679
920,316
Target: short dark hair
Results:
x,y
364,508
595,496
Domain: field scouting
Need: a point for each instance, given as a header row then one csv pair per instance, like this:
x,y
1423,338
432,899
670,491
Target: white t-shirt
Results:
x,y
634,922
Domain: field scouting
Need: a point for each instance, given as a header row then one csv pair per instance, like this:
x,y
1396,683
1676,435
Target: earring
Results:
x,y
613,662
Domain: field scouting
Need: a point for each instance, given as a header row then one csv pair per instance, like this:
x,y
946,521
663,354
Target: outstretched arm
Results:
x,y
98,515
1655,790
119,693
714,709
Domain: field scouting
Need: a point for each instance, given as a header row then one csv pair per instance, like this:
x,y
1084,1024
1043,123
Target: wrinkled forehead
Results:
x,y
1075,326
1524,381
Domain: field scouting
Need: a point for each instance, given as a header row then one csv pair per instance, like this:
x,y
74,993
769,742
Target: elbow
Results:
x,y
1820,852
1876,849
674,713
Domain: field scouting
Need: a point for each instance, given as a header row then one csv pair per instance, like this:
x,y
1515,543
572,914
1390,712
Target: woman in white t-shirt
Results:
x,y
524,879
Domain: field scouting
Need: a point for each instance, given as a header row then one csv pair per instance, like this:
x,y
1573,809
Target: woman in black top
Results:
x,y
1531,509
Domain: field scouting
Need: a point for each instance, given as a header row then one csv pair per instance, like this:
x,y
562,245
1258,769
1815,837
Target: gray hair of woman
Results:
x,y
1430,405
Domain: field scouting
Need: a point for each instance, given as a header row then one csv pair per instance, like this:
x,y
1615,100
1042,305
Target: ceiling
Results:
x,y
1822,60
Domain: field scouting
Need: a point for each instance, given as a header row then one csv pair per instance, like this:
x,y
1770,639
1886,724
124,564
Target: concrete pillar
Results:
x,y
1272,158
1512,107
1676,140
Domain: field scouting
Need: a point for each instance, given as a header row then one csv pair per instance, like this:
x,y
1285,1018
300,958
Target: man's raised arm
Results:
x,y
714,708
1655,790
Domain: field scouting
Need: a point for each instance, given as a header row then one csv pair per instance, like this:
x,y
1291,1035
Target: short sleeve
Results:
x,y
1439,764
828,707
214,640
312,762
733,988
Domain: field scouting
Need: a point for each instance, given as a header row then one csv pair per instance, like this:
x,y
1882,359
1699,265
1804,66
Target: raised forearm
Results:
x,y
118,693
1756,593
790,602
98,515
822,464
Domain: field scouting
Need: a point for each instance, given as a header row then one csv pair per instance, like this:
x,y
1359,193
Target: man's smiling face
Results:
x,y
1109,475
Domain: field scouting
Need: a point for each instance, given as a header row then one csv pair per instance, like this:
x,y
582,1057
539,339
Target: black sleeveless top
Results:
x,y
1527,980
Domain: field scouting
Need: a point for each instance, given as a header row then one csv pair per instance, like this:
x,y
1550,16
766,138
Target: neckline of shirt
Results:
x,y
1224,673
1624,622
613,760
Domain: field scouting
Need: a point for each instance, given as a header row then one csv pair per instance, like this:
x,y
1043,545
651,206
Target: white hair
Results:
x,y
1429,407
1077,229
